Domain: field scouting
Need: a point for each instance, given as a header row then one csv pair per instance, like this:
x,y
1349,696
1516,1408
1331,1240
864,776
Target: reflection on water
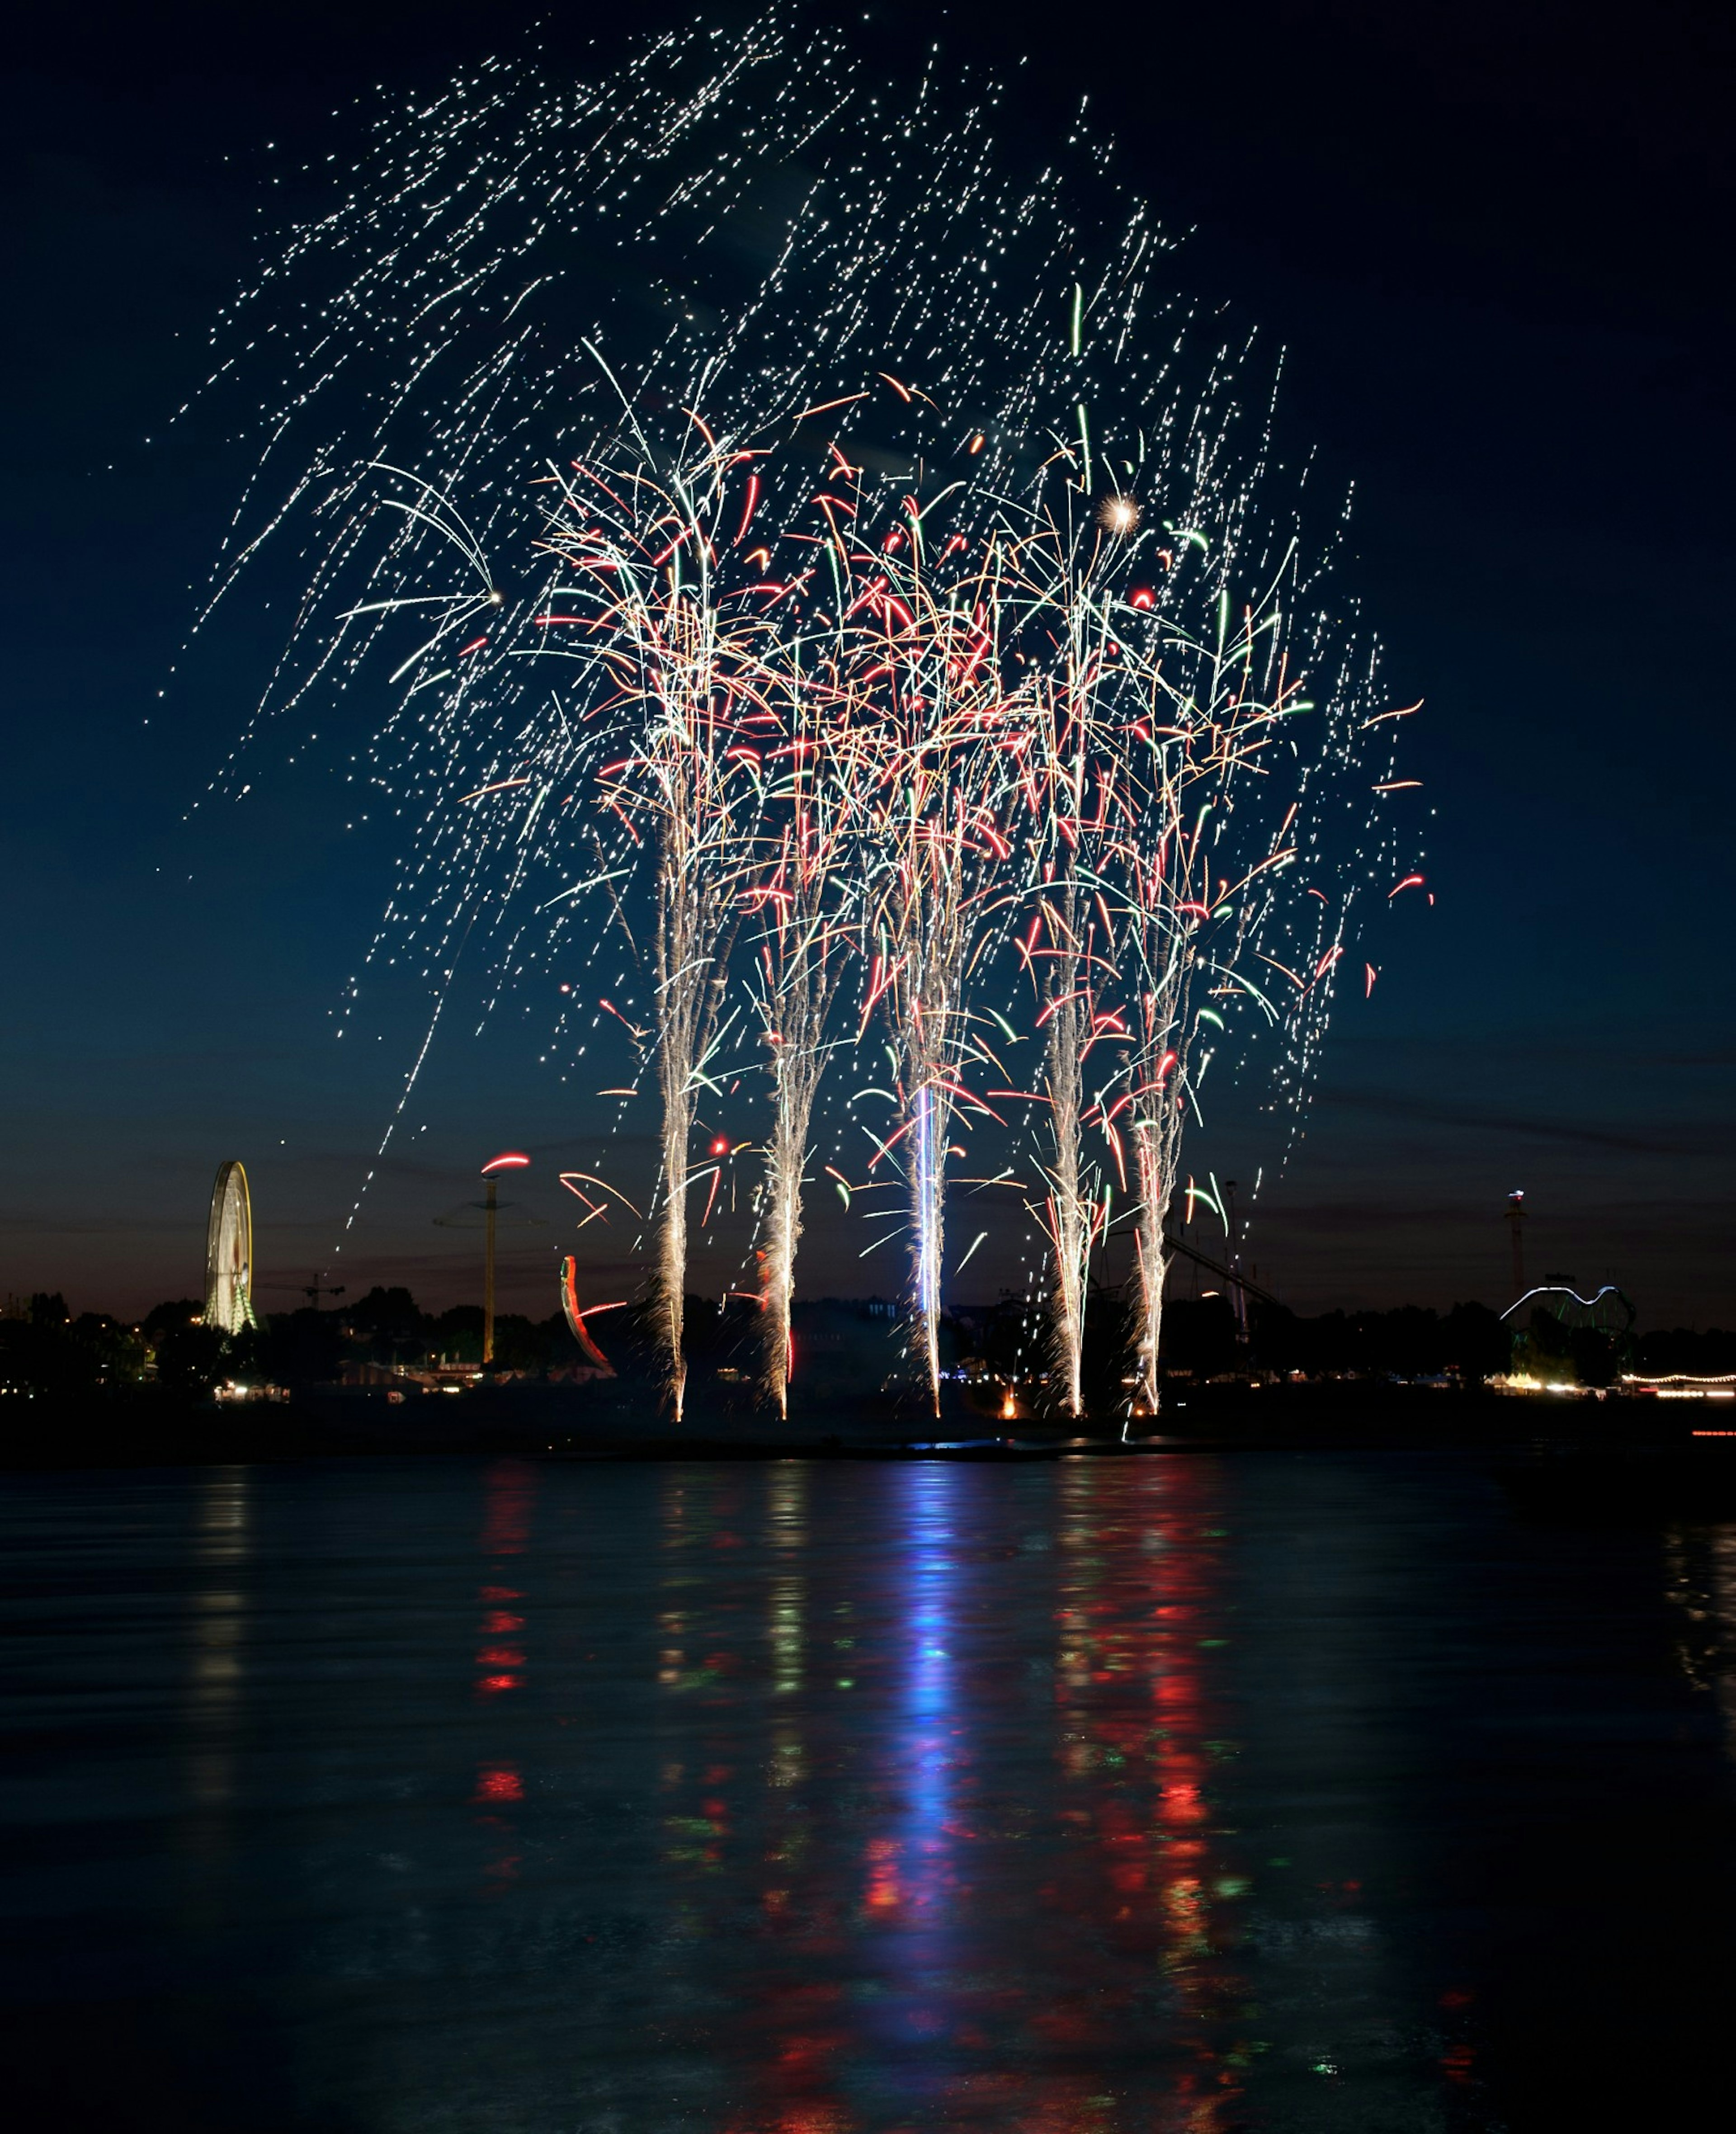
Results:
x,y
218,1603
1105,1796
510,1501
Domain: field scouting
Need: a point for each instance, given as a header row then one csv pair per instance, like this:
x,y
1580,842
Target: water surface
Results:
x,y
1298,1791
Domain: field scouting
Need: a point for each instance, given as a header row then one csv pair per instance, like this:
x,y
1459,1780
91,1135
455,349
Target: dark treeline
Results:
x,y
46,1349
1469,1342
1409,1341
1202,1340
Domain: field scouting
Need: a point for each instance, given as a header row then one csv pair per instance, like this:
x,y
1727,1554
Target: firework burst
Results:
x,y
884,618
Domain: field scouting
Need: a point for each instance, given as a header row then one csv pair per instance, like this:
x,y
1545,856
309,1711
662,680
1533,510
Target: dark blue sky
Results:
x,y
1495,240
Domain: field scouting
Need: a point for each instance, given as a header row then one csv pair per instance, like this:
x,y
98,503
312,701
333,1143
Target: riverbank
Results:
x,y
146,1427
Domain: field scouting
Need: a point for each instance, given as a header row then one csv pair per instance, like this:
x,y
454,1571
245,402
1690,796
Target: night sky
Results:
x,y
1495,242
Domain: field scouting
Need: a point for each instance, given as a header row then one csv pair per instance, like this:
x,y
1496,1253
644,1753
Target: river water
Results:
x,y
1297,1791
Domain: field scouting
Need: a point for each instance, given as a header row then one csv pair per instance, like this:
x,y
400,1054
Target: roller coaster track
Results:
x,y
1233,1275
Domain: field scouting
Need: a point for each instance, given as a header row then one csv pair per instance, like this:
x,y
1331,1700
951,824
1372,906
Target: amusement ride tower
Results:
x,y
229,1253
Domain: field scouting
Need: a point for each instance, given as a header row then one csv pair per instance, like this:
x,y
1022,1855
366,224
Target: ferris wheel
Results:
x,y
229,1253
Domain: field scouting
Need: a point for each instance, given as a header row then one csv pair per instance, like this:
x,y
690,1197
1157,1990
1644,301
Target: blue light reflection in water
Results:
x,y
911,1874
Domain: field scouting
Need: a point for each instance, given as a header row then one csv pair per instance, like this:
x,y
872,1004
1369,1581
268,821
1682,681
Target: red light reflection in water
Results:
x,y
1142,1866
511,1490
968,1886
500,1658
1110,2004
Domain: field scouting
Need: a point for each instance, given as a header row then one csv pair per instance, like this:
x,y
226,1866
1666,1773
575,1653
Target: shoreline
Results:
x,y
147,1427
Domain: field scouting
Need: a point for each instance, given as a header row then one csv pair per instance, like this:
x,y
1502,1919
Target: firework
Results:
x,y
1076,764
935,846
804,899
1071,1209
687,677
880,600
